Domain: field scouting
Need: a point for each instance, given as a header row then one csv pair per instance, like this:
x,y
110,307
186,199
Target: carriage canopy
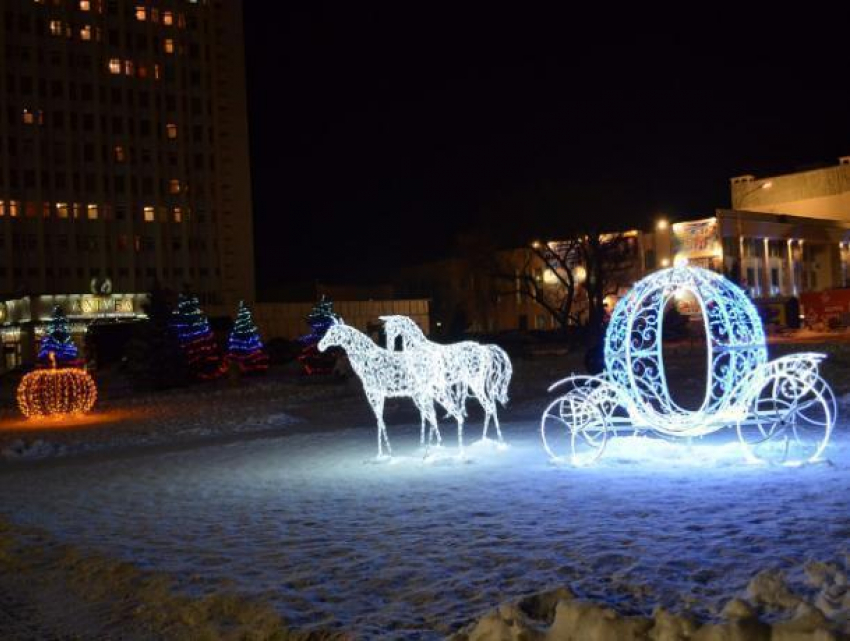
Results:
x,y
634,343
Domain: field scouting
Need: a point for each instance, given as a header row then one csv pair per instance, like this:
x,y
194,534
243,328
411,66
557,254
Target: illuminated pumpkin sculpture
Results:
x,y
56,392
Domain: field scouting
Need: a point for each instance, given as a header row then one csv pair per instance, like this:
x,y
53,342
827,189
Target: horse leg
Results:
x,y
460,434
434,431
486,424
386,437
429,415
498,429
377,403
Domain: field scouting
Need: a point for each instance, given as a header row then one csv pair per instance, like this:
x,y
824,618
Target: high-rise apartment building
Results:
x,y
124,149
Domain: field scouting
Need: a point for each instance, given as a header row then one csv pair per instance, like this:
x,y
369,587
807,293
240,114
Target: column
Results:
x,y
766,282
791,280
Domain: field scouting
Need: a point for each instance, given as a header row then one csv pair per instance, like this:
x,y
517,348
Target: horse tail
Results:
x,y
499,373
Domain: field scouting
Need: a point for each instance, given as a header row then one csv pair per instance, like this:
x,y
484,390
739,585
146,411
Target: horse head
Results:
x,y
398,325
335,336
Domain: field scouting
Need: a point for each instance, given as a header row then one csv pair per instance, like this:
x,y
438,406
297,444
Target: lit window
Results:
x,y
168,45
141,71
85,32
56,27
141,13
114,66
156,72
149,215
128,67
45,210
2,208
119,153
32,117
173,186
78,208
171,131
85,5
14,207
167,18
178,215
62,210
92,212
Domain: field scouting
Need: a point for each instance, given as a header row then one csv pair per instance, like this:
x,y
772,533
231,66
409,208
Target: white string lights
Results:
x,y
386,374
426,373
783,410
471,369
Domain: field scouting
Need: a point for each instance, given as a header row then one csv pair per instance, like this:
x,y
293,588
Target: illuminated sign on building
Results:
x,y
696,239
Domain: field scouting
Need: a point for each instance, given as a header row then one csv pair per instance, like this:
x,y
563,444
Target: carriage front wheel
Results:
x,y
790,419
574,429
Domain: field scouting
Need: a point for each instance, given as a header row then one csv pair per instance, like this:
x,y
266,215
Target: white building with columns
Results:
x,y
783,236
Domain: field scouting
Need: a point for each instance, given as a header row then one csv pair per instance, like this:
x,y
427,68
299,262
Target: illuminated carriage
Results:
x,y
784,412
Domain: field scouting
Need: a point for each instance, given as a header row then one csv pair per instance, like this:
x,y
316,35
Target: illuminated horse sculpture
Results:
x,y
387,374
485,370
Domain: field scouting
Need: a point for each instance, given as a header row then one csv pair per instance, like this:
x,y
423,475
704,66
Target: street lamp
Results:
x,y
765,185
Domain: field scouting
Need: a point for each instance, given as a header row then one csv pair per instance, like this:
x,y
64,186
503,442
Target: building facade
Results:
x,y
123,154
822,193
769,255
784,237
123,148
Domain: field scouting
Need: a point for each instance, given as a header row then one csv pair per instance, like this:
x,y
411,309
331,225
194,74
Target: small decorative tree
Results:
x,y
154,359
320,318
244,348
196,339
57,340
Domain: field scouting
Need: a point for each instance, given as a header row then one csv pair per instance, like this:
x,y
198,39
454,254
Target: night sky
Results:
x,y
379,136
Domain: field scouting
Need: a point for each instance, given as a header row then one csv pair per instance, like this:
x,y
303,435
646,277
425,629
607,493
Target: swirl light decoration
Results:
x,y
471,369
387,374
784,411
56,392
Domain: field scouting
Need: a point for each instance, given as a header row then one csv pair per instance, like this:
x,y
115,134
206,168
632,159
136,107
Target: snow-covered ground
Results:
x,y
308,521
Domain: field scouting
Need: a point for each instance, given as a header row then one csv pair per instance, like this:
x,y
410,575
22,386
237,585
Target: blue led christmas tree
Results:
x,y
196,339
57,339
320,318
244,348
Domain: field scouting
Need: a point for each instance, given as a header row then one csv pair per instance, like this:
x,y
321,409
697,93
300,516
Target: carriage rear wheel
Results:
x,y
790,420
574,429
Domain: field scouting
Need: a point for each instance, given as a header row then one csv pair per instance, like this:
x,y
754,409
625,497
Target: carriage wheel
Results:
x,y
574,429
790,420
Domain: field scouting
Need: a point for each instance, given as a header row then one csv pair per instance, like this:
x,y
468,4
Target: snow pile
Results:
x,y
770,610
60,591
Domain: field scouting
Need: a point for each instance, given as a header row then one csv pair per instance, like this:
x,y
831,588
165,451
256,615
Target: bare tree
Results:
x,y
611,264
571,278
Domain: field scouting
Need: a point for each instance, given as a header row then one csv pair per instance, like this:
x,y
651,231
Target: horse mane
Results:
x,y
410,326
